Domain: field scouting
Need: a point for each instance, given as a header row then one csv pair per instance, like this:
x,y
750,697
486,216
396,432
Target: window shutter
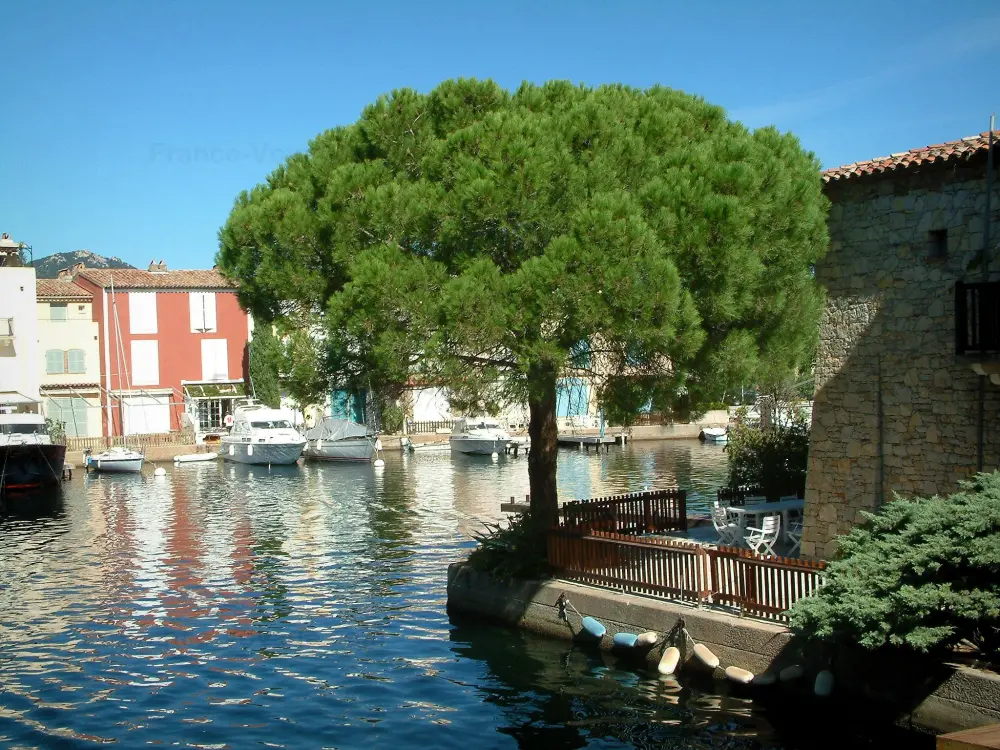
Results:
x,y
75,360
214,359
142,312
57,311
145,363
209,302
55,363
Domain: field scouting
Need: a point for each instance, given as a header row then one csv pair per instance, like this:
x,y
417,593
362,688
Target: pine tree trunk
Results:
x,y
544,443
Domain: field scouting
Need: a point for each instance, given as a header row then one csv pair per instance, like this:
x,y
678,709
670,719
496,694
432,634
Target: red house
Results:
x,y
171,345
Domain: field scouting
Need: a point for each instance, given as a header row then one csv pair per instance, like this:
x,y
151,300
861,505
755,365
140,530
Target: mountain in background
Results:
x,y
49,266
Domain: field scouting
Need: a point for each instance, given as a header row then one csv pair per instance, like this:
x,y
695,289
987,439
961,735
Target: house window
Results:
x,y
6,326
58,362
214,359
202,312
938,239
72,412
57,311
145,363
210,414
142,312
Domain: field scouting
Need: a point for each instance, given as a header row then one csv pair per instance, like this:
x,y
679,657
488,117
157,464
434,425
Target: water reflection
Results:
x,y
226,605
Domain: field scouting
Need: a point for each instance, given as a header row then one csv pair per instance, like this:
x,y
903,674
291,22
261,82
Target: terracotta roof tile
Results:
x,y
58,289
125,278
951,151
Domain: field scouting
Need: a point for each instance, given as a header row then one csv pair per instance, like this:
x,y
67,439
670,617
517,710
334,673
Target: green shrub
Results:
x,y
922,574
515,551
774,459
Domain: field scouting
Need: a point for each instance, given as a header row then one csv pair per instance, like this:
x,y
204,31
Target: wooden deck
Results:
x,y
971,739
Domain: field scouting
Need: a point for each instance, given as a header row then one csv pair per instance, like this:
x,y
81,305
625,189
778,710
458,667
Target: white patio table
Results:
x,y
784,507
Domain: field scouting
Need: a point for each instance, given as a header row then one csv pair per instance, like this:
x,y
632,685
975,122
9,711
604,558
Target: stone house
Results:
x,y
907,385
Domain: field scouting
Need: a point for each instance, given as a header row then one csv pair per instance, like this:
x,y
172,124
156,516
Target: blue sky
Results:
x,y
129,128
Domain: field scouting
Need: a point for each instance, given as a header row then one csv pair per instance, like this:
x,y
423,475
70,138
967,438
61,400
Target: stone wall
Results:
x,y
894,411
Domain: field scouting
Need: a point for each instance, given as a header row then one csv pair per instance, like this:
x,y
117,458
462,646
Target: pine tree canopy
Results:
x,y
474,237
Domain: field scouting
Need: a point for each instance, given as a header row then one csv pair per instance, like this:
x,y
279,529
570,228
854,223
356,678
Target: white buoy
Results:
x,y
793,672
494,455
705,656
824,684
765,679
378,463
668,662
647,639
160,472
738,675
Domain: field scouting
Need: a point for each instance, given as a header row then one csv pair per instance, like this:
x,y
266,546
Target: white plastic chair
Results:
x,y
795,534
764,537
727,529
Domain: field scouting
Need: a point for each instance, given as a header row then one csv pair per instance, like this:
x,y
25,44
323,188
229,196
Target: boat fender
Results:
x,y
647,639
764,679
739,676
249,450
627,640
823,686
319,445
378,444
593,628
668,662
232,450
705,656
793,672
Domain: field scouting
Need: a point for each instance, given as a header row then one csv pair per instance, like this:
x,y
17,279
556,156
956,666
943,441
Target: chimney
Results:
x,y
152,265
78,267
161,266
65,274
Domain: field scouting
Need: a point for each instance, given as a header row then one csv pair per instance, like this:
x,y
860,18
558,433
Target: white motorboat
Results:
x,y
714,435
117,460
262,435
335,439
480,436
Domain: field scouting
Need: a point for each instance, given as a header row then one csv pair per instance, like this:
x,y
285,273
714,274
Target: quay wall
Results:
x,y
934,697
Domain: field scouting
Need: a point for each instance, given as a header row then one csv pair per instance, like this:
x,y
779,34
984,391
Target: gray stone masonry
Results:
x,y
889,330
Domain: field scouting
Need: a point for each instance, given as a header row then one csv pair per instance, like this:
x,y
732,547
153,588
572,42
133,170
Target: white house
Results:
x,y
19,375
69,357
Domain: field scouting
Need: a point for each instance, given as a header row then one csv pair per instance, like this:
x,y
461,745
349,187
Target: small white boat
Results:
x,y
190,458
116,460
479,436
335,439
714,435
262,436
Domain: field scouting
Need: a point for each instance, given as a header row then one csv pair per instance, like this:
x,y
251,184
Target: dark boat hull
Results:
x,y
27,467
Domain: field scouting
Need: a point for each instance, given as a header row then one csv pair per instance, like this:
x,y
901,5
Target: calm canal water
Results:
x,y
228,607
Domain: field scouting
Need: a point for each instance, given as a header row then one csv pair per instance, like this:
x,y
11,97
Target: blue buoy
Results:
x,y
593,627
625,639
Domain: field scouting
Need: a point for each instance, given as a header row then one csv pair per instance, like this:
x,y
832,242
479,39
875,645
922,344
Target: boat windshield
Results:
x,y
21,429
271,424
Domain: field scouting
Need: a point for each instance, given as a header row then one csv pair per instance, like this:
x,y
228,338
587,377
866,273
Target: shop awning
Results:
x,y
215,390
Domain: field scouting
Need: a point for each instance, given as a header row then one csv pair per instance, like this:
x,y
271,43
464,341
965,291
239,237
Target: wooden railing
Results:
x,y
416,428
755,584
650,419
152,440
760,585
737,495
977,318
647,512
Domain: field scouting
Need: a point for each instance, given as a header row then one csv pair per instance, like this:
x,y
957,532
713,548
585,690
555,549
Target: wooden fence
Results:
x,y
143,441
737,495
755,584
647,512
425,427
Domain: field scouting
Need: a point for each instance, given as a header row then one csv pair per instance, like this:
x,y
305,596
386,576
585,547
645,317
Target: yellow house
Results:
x,y
69,358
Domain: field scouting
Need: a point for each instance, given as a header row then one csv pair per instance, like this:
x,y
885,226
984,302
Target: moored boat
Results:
x,y
335,439
714,435
115,460
479,436
262,435
191,458
28,457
